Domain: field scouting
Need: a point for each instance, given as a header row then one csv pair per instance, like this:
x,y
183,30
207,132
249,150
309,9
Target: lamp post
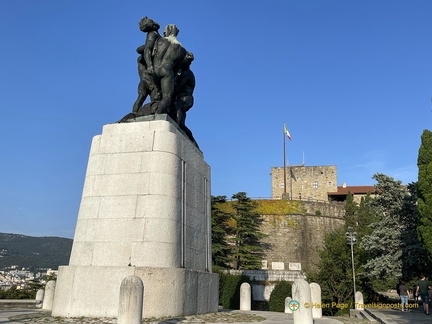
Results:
x,y
351,239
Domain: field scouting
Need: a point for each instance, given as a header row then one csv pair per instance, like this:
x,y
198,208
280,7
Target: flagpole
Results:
x,y
284,156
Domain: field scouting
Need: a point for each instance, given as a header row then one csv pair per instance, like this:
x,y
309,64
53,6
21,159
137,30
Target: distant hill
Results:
x,y
34,252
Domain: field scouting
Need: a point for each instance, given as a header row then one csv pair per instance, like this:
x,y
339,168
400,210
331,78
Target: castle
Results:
x,y
313,183
316,207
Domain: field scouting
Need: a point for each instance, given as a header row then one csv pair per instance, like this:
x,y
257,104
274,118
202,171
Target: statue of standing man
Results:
x,y
147,85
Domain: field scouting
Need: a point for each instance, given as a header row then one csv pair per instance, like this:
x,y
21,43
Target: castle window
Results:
x,y
315,184
330,184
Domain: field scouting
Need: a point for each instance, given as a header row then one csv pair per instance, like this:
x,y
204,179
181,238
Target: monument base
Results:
x,y
88,291
145,211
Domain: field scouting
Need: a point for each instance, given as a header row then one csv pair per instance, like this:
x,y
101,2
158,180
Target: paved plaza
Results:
x,y
387,316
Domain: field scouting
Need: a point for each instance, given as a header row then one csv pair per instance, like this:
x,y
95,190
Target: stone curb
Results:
x,y
364,314
380,317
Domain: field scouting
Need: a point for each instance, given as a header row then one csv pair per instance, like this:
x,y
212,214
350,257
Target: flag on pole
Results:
x,y
286,132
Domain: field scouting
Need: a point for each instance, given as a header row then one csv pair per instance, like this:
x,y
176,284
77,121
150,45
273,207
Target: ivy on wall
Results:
x,y
270,207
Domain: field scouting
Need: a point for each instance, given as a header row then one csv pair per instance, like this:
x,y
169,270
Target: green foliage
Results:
x,y
414,262
351,209
269,207
35,285
34,252
236,234
334,271
366,215
220,218
246,235
424,192
280,207
392,242
281,291
384,243
229,290
15,293
260,305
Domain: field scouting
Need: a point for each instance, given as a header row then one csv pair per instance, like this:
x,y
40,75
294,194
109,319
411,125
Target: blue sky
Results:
x,y
351,79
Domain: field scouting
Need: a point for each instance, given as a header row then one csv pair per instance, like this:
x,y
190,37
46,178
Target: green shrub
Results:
x,y
14,293
281,291
229,290
260,305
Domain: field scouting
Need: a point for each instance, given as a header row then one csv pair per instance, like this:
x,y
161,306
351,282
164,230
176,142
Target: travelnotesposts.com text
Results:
x,y
358,305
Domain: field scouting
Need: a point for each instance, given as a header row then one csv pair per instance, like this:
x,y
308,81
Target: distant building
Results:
x,y
357,191
313,183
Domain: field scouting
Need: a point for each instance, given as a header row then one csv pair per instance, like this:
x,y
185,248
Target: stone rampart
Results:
x,y
324,209
293,241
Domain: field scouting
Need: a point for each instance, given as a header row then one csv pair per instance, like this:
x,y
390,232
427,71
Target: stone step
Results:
x,y
364,314
379,317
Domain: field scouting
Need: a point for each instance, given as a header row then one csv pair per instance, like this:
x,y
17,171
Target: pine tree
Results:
x,y
246,235
385,244
220,229
424,192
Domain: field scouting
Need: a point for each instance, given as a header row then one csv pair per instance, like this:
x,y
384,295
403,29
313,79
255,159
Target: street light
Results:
x,y
351,239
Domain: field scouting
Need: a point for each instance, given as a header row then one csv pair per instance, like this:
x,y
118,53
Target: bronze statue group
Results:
x,y
165,76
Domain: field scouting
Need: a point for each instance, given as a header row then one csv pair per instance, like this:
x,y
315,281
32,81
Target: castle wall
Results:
x,y
293,240
292,245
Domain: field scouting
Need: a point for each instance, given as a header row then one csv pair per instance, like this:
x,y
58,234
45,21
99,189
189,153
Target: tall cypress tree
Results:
x,y
414,261
333,272
424,192
366,215
351,209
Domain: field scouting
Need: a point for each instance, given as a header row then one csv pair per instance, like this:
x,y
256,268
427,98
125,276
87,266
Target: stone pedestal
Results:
x,y
145,211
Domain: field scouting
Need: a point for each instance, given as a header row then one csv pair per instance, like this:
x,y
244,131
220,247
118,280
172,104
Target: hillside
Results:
x,y
34,252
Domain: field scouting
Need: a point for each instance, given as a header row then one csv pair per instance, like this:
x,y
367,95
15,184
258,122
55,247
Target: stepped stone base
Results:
x,y
90,291
145,211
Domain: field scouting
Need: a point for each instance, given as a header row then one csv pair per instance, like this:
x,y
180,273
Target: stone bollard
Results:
x,y
359,302
302,295
287,308
49,295
131,301
316,300
39,298
245,296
